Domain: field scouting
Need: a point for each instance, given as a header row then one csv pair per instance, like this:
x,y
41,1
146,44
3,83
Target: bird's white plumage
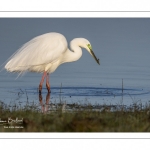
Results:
x,y
39,54
46,52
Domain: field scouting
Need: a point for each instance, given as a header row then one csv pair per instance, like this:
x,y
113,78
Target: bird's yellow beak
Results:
x,y
92,53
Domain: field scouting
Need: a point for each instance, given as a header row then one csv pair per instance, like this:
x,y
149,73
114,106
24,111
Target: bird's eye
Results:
x,y
89,46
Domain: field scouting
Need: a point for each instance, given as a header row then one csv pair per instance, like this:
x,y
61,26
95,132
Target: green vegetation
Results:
x,y
76,118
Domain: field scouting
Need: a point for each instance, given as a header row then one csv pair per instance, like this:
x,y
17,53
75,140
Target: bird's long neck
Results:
x,y
76,51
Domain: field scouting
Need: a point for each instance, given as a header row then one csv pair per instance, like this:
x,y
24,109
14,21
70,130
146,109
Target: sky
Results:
x,y
121,44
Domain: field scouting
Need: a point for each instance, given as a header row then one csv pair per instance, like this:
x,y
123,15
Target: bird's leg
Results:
x,y
42,80
47,83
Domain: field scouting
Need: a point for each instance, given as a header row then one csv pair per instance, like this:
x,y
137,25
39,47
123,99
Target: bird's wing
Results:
x,y
38,51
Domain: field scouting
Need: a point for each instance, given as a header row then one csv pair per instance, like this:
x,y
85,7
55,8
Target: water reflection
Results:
x,y
44,106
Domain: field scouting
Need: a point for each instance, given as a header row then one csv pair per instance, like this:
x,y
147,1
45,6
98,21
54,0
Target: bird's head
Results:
x,y
84,43
89,49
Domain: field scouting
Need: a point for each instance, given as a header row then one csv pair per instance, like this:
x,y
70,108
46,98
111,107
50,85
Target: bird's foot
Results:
x,y
40,89
48,88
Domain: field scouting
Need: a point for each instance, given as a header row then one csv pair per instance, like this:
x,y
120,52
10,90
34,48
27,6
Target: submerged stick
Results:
x,y
122,86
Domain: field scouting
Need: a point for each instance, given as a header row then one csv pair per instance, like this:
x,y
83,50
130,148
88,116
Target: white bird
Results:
x,y
45,53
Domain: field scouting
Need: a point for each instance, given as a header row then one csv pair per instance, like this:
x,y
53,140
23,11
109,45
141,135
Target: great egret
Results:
x,y
45,53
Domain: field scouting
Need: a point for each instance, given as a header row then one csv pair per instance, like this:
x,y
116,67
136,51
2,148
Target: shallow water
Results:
x,y
25,89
